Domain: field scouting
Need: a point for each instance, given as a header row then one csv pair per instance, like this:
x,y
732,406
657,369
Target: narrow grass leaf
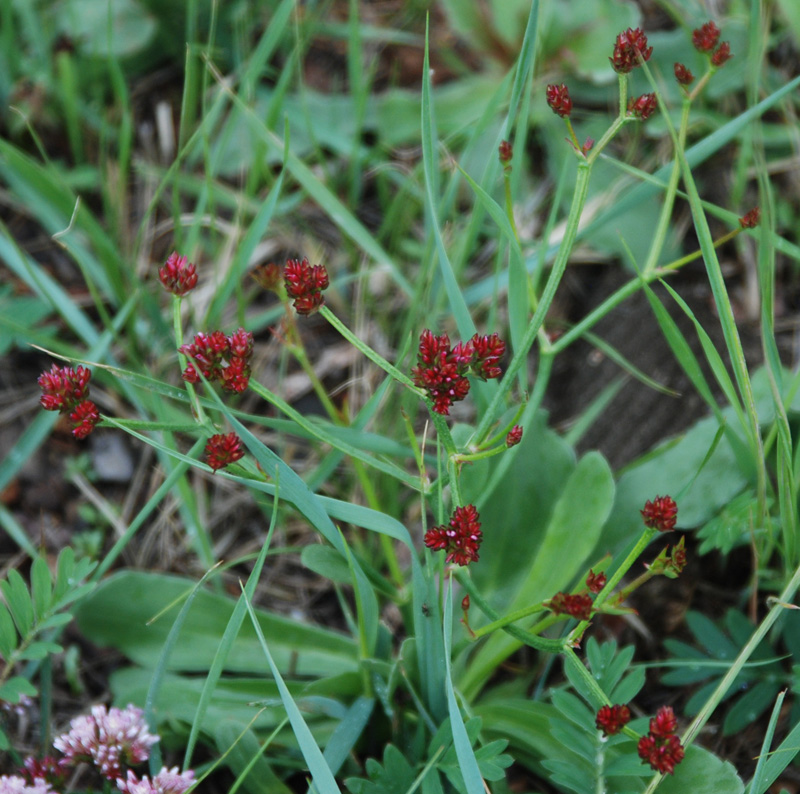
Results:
x,y
317,766
467,762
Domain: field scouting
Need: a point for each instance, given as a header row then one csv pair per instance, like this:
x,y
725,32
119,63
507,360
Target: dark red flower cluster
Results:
x,y
219,357
642,107
442,370
305,283
660,514
683,75
751,219
506,152
223,449
514,436
461,538
706,38
596,581
178,276
577,606
66,391
661,748
612,719
630,50
559,100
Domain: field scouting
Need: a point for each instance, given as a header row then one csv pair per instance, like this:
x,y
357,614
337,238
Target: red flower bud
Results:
x,y
178,276
514,436
751,219
660,514
461,538
612,719
683,75
721,55
506,152
305,283
596,581
222,450
630,49
705,38
642,107
559,100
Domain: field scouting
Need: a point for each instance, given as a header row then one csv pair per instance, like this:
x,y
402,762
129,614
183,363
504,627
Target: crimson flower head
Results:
x,y
751,219
683,75
630,49
721,55
596,581
705,37
441,369
305,283
178,275
660,514
559,100
225,359
222,450
612,719
577,606
514,436
506,151
661,748
461,538
642,107
65,390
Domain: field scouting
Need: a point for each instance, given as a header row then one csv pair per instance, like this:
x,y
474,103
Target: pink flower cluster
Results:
x,y
661,748
442,370
461,538
66,390
221,358
167,781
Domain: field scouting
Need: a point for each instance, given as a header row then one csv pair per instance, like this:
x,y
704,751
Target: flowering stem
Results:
x,y
624,567
177,325
559,265
376,358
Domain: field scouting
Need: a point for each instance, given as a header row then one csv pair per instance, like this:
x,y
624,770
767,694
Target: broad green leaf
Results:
x,y
138,597
701,772
8,633
571,538
40,650
41,587
19,603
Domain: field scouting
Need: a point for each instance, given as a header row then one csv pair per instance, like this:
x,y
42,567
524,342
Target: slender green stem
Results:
x,y
624,567
177,326
376,358
511,617
559,265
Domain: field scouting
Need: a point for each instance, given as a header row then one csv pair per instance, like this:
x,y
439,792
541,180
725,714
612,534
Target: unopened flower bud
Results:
x,y
178,275
751,219
642,107
559,100
705,38
721,55
506,152
683,75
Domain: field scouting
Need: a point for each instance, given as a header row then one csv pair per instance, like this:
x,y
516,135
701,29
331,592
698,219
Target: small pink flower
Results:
x,y
305,284
221,450
630,49
660,514
642,107
461,538
612,719
178,276
107,738
705,38
559,100
514,436
167,781
683,75
13,784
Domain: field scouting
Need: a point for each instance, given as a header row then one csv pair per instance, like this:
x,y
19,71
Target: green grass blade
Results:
x,y
317,766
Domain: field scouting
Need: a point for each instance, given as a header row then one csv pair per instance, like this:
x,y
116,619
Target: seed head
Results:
x,y
221,450
660,514
305,283
721,55
178,276
683,75
751,219
559,100
514,436
578,605
630,50
642,107
612,719
705,37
